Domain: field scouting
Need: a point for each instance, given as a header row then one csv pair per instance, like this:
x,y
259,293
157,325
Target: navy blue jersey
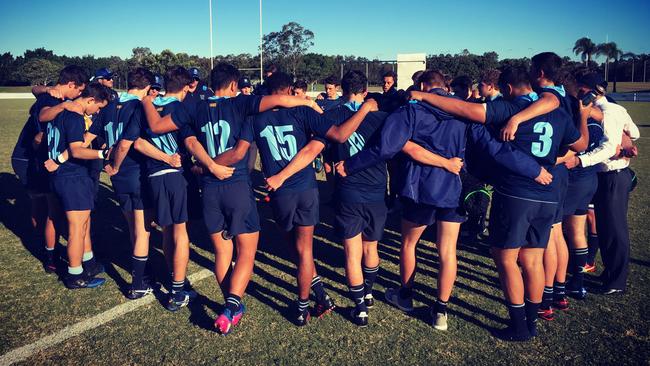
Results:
x,y
66,128
498,112
219,124
170,142
329,104
42,101
596,134
192,100
24,148
565,100
280,134
112,124
367,185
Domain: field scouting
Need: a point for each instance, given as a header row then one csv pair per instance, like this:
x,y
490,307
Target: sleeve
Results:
x,y
97,126
247,104
612,136
74,128
629,126
133,129
316,123
498,112
246,133
505,154
397,130
192,127
181,116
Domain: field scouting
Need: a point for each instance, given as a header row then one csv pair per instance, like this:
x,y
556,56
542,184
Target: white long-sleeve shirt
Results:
x,y
616,120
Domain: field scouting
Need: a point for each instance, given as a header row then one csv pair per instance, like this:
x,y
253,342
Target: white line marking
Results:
x,y
24,352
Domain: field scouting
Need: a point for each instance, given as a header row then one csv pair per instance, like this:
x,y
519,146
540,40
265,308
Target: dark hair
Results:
x,y
300,84
176,79
463,82
391,74
548,62
354,82
270,68
139,78
73,73
96,91
416,76
515,76
223,74
433,78
490,77
331,80
278,81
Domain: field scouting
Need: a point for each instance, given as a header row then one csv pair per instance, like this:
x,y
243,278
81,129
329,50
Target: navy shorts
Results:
x,y
423,214
517,222
169,193
365,218
131,191
193,195
296,209
579,194
230,207
561,177
75,193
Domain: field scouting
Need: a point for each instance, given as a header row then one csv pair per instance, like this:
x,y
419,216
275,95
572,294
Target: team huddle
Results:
x,y
539,138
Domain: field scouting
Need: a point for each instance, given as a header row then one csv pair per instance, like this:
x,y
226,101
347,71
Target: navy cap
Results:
x,y
103,73
158,82
593,81
244,83
194,72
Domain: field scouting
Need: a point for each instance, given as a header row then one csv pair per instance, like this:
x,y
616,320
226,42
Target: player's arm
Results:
x,y
79,151
303,158
582,143
424,156
156,123
545,104
196,149
147,149
285,101
121,149
48,114
234,155
342,132
456,107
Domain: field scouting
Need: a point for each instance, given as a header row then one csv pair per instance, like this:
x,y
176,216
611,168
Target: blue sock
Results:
x,y
138,265
49,254
317,288
441,307
357,294
518,318
547,298
405,292
531,316
579,262
177,289
369,277
88,259
559,290
75,272
303,305
233,302
592,242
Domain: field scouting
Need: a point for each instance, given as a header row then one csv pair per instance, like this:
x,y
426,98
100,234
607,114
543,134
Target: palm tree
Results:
x,y
630,56
611,52
585,48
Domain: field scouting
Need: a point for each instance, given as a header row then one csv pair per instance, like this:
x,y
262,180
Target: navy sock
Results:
x,y
369,277
75,273
318,289
405,292
138,265
579,262
547,297
49,254
441,307
559,290
177,289
89,259
357,294
531,316
303,305
518,318
592,242
233,302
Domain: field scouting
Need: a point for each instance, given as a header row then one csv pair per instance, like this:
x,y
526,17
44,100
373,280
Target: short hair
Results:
x,y
433,78
391,74
331,80
96,91
515,76
278,81
416,76
462,81
354,82
176,79
490,77
300,84
270,68
73,73
223,74
548,62
139,78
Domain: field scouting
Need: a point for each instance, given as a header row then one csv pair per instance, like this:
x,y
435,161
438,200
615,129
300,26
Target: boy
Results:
x,y
330,99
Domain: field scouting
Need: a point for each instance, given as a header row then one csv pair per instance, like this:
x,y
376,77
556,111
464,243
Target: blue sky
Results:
x,y
374,29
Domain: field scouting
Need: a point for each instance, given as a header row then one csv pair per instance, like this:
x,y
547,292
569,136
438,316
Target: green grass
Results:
x,y
598,330
629,87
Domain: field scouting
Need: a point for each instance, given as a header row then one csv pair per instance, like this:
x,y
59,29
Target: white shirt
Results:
x,y
616,120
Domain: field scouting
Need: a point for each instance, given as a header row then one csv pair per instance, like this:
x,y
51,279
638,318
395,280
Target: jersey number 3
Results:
x,y
542,147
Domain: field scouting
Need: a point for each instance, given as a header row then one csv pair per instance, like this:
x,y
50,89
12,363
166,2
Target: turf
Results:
x,y
598,330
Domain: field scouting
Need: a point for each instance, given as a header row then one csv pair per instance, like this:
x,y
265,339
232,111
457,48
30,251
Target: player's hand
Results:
x,y
148,99
174,160
221,172
73,107
416,95
585,110
315,107
572,162
544,178
327,167
340,169
110,170
55,93
370,105
509,130
50,165
454,165
274,183
320,96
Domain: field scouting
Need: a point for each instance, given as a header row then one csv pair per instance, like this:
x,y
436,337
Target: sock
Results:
x,y
75,272
317,288
303,305
138,265
592,242
559,290
547,298
357,294
518,318
369,277
88,259
177,289
233,303
531,316
49,254
441,307
579,261
405,293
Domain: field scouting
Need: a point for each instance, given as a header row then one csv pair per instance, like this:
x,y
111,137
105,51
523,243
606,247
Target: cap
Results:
x,y
194,72
593,81
157,83
244,83
103,73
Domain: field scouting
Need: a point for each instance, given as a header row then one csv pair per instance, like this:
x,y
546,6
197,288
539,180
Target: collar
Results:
x,y
125,97
215,98
530,97
161,101
557,88
498,95
353,105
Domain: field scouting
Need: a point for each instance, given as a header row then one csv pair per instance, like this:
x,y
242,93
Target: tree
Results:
x,y
630,56
40,71
288,45
611,52
585,48
7,67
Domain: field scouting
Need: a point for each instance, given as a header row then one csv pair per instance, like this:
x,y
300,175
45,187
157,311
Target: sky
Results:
x,y
372,29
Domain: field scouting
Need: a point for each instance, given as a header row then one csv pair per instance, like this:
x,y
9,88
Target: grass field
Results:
x,y
599,330
628,87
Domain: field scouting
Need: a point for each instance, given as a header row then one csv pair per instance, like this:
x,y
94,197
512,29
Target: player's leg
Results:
x,y
91,266
140,225
550,268
303,240
560,301
353,248
531,260
512,284
447,236
370,268
402,298
575,230
592,239
50,205
77,228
